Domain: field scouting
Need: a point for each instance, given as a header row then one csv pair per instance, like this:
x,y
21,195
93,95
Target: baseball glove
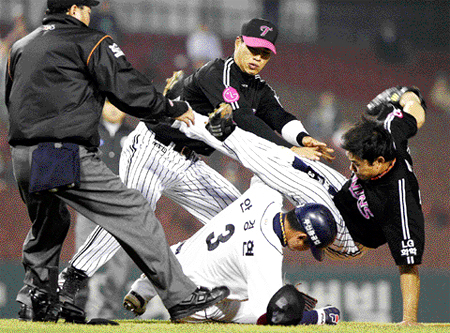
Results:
x,y
392,95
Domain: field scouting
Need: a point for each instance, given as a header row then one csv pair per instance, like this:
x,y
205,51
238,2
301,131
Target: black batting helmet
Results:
x,y
318,223
286,306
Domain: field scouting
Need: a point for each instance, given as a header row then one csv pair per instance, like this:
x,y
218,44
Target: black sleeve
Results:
x,y
246,120
271,111
126,87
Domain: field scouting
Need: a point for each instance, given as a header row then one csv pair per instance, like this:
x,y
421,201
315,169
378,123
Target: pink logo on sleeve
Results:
x,y
230,95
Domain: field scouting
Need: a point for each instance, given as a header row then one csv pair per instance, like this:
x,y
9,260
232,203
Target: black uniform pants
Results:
x,y
106,201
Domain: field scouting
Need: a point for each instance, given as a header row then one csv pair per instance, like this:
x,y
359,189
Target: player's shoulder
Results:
x,y
213,67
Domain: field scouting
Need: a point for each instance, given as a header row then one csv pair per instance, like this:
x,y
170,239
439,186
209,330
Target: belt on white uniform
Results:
x,y
187,152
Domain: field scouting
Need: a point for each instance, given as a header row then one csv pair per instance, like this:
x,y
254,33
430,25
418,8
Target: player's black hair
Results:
x,y
293,221
369,140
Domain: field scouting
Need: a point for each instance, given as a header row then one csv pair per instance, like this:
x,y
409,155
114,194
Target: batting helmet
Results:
x,y
318,223
286,306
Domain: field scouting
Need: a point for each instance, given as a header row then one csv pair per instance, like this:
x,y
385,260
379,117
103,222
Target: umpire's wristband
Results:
x,y
175,109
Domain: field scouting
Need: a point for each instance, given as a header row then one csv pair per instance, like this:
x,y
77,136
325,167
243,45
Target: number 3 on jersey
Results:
x,y
220,239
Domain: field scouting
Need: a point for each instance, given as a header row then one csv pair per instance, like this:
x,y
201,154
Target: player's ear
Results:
x,y
380,160
300,239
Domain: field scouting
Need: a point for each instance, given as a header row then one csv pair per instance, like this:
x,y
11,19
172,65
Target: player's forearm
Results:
x,y
410,286
411,104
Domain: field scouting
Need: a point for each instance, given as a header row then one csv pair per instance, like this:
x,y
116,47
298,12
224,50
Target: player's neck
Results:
x,y
388,168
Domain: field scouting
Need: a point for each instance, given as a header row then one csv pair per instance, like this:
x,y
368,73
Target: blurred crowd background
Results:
x,y
332,58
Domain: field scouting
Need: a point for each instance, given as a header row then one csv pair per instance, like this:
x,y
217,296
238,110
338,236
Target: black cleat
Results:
x,y
174,86
200,299
74,280
221,123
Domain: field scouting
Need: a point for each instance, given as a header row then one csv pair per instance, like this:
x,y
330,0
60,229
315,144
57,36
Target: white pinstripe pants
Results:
x,y
155,169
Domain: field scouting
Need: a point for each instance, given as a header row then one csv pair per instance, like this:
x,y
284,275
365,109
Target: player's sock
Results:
x,y
309,318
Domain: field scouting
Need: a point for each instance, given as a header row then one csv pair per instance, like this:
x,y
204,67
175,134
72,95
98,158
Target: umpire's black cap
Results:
x,y
318,223
260,33
55,4
286,306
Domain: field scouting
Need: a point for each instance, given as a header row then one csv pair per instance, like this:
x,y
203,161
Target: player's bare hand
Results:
x,y
325,152
188,117
311,153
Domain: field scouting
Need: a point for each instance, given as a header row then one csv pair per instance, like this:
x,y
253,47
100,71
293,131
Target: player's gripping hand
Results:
x,y
314,150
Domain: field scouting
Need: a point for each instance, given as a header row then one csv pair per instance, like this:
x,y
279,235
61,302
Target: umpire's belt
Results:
x,y
183,150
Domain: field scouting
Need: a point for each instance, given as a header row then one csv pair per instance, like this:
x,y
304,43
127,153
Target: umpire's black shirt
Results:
x,y
388,209
58,77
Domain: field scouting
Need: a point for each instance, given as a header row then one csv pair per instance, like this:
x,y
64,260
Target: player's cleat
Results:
x,y
200,299
221,123
74,280
135,303
328,315
72,313
174,86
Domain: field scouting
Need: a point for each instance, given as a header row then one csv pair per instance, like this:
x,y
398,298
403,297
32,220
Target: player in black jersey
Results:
x,y
381,201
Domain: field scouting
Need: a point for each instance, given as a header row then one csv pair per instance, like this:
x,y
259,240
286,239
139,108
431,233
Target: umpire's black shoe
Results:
x,y
25,312
200,299
174,86
44,308
221,123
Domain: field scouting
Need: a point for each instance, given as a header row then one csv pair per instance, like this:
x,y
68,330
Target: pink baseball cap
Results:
x,y
260,33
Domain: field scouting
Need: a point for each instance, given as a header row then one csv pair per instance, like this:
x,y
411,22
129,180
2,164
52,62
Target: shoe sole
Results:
x,y
191,311
132,304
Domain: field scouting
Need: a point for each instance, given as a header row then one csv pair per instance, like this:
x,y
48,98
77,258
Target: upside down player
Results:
x,y
379,204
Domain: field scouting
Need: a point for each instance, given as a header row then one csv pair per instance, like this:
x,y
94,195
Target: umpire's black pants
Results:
x,y
106,201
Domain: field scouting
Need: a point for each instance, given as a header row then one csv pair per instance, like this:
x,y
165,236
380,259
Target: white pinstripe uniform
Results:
x,y
239,248
155,169
258,278
316,182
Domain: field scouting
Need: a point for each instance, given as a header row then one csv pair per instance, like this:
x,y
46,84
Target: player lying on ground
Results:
x,y
380,203
243,246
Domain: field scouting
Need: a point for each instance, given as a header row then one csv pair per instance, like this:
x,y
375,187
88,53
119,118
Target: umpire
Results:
x,y
58,78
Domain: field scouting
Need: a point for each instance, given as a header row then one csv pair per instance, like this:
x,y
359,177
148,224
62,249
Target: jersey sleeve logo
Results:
x,y
230,95
116,50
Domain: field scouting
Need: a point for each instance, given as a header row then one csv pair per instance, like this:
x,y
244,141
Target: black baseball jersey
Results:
x,y
223,81
388,209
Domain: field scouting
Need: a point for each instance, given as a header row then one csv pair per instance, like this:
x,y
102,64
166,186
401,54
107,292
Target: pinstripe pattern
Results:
x,y
155,170
274,166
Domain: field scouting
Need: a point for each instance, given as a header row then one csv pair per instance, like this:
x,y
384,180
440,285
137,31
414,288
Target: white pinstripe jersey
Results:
x,y
239,248
388,209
